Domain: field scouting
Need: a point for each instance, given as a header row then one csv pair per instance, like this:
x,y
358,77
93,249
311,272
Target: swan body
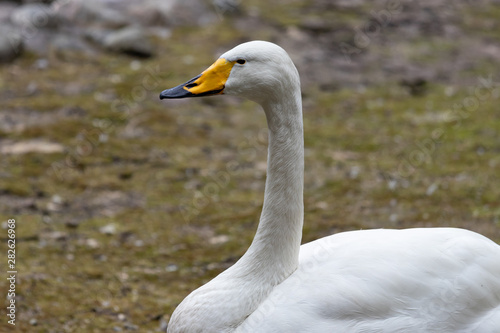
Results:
x,y
413,280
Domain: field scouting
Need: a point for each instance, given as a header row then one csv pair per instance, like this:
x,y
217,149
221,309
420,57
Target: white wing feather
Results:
x,y
414,280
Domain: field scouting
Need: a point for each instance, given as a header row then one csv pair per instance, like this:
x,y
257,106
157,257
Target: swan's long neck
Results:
x,y
233,295
275,249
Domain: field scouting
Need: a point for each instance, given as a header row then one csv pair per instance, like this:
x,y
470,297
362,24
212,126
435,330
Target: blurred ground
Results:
x,y
124,204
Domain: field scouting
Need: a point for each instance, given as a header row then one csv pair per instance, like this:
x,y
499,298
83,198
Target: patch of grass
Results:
x,y
483,20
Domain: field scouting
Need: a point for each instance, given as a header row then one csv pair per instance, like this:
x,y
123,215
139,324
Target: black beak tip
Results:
x,y
177,92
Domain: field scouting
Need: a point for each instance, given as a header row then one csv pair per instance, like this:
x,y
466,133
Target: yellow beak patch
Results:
x,y
212,80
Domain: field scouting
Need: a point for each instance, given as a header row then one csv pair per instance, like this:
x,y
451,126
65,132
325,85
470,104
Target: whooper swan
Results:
x,y
413,280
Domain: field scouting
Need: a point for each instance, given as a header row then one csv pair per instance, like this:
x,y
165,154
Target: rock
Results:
x,y
31,17
93,12
36,24
227,7
11,43
31,146
55,204
96,35
41,64
172,13
34,1
109,229
417,86
6,9
172,268
431,189
65,45
130,40
92,243
219,239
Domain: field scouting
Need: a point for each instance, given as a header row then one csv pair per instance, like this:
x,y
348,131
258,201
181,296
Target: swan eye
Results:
x,y
241,61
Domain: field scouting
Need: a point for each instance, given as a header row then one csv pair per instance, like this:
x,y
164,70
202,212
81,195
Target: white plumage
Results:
x,y
415,280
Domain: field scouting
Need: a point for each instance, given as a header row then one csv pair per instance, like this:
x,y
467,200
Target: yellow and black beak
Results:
x,y
211,82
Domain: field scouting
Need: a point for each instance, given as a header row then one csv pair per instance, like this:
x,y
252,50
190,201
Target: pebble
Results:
x,y
31,146
220,239
431,189
172,268
92,243
109,229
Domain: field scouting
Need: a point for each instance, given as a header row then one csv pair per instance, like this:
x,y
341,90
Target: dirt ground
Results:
x,y
124,204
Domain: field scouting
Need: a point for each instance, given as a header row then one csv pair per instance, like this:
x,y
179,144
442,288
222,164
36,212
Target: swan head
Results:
x,y
259,71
